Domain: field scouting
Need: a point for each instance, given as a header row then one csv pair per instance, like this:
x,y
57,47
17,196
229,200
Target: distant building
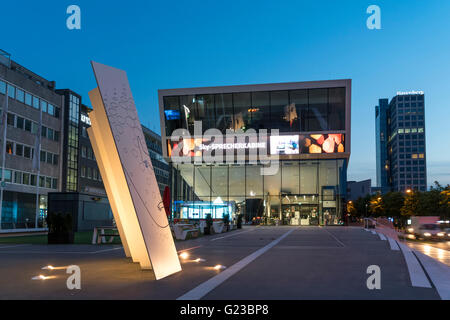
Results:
x,y
382,161
358,189
401,143
28,174
160,166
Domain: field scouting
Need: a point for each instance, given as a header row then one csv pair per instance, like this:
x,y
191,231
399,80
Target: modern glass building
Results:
x,y
308,156
381,134
401,143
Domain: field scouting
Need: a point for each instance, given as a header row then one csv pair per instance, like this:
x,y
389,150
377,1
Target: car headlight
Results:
x,y
427,234
411,230
440,234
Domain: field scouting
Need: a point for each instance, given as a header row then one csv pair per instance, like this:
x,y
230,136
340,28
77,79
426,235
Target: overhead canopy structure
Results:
x,y
128,175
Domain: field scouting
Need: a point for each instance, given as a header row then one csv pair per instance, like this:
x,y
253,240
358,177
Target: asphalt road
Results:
x,y
261,263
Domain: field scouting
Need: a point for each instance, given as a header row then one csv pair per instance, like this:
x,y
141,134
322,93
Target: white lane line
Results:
x,y
339,241
107,250
373,232
416,273
382,237
14,246
393,244
438,272
209,285
231,235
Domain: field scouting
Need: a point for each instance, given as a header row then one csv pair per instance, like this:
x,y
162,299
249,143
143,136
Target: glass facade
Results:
x,y
72,144
401,147
300,193
309,187
305,110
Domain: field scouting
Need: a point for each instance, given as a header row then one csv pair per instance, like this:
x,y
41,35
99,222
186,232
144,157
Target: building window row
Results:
x,y
90,173
49,157
29,179
22,123
28,99
20,150
87,153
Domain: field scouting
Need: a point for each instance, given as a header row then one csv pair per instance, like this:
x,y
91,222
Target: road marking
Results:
x,y
209,285
17,245
393,244
339,241
373,232
438,272
416,273
107,250
231,235
382,237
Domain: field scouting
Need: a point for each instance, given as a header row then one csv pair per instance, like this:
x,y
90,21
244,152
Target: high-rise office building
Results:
x,y
401,147
381,127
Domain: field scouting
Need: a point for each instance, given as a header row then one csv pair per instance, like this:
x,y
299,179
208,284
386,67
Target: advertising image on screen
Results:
x,y
172,114
284,145
322,143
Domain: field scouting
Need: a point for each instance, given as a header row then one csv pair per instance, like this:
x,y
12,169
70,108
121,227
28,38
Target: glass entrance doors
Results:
x,y
300,209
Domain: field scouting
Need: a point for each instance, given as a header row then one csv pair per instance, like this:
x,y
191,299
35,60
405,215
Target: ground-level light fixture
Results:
x,y
219,267
184,255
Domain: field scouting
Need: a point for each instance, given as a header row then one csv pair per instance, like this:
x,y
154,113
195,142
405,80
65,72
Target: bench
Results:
x,y
182,230
100,237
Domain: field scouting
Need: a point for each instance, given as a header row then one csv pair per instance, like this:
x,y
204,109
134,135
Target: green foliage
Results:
x,y
435,202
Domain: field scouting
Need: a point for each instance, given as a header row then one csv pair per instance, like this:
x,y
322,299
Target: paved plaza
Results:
x,y
286,263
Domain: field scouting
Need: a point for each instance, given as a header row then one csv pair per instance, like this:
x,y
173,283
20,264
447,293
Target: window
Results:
x,y
48,182
28,125
20,95
44,131
41,181
11,119
20,122
54,183
34,127
83,171
33,180
83,151
35,102
2,87
28,99
11,91
51,109
19,150
27,152
18,177
43,156
26,178
44,106
55,159
89,173
9,147
50,134
318,110
49,157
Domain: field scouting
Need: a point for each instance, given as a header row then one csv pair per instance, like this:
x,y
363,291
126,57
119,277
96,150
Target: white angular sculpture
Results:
x,y
127,173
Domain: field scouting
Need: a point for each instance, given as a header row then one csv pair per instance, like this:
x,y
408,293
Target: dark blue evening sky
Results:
x,y
171,44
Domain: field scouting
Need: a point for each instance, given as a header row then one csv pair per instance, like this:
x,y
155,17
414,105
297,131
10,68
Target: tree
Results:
x,y
411,204
393,203
376,206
